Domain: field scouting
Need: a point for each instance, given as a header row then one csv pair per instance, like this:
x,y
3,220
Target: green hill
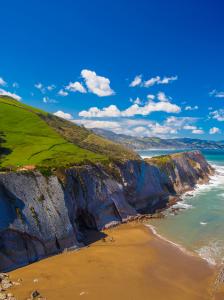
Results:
x,y
29,136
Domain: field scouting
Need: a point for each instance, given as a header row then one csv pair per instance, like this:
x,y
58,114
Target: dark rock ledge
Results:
x,y
41,216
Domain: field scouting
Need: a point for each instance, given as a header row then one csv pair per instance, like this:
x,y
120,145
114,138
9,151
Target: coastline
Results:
x,y
130,262
183,204
161,237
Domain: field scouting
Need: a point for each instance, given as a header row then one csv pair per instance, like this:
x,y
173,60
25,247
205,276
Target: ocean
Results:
x,y
198,225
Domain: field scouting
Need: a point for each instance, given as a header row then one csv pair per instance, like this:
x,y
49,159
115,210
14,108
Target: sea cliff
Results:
x,y
43,215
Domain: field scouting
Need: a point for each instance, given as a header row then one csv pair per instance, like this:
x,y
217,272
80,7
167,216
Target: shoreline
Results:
x,y
182,204
131,262
180,247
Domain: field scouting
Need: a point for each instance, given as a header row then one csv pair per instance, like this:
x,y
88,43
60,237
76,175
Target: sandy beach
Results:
x,y
129,263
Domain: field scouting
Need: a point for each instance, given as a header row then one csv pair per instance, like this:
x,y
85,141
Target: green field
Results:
x,y
29,136
28,140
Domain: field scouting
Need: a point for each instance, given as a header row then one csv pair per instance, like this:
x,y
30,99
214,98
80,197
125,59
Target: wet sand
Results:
x,y
130,263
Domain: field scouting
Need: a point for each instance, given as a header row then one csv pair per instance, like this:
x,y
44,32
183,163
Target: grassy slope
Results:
x,y
32,142
30,139
89,140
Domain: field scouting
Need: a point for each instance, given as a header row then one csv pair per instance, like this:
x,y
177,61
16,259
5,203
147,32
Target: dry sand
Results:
x,y
131,263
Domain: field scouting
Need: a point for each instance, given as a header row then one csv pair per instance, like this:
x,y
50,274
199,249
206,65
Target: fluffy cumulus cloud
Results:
x,y
217,115
136,101
123,126
96,84
217,94
9,94
214,130
184,123
142,127
162,97
109,125
62,93
164,105
137,81
191,107
150,97
2,82
75,87
63,115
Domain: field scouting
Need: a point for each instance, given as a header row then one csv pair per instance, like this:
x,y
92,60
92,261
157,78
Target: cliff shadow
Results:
x,y
87,226
91,236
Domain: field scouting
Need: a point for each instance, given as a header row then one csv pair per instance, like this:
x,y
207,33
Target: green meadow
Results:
x,y
28,140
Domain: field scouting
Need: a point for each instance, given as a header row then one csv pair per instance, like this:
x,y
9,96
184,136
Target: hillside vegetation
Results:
x,y
29,136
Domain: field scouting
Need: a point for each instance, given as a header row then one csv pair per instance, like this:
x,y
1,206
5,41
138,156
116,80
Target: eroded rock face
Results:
x,y
41,216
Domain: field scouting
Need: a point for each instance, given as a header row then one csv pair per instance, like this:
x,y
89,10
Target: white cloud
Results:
x,y
137,127
151,81
63,115
110,111
96,84
214,130
2,82
13,95
162,97
136,101
197,131
150,97
143,127
44,89
158,80
124,126
40,87
191,107
217,115
217,94
189,127
75,87
62,93
51,87
159,130
135,109
180,121
137,81
166,80
48,100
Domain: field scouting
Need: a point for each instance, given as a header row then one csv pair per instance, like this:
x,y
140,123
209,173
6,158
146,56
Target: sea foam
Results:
x,y
213,253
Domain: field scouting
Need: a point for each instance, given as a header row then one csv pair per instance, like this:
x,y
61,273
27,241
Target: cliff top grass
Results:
x,y
29,136
163,161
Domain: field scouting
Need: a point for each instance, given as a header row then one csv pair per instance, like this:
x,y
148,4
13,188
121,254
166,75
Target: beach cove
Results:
x,y
130,262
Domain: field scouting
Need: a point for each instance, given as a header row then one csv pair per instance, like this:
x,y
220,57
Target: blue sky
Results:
x,y
146,68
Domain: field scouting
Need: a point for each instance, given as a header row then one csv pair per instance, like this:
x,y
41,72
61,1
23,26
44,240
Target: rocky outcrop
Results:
x,y
41,216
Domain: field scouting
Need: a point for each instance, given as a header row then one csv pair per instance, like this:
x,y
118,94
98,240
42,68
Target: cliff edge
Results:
x,y
41,215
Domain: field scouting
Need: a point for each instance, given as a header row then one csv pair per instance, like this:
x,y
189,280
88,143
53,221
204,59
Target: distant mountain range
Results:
x,y
142,143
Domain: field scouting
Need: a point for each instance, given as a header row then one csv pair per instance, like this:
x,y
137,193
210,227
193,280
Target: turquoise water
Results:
x,y
199,224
